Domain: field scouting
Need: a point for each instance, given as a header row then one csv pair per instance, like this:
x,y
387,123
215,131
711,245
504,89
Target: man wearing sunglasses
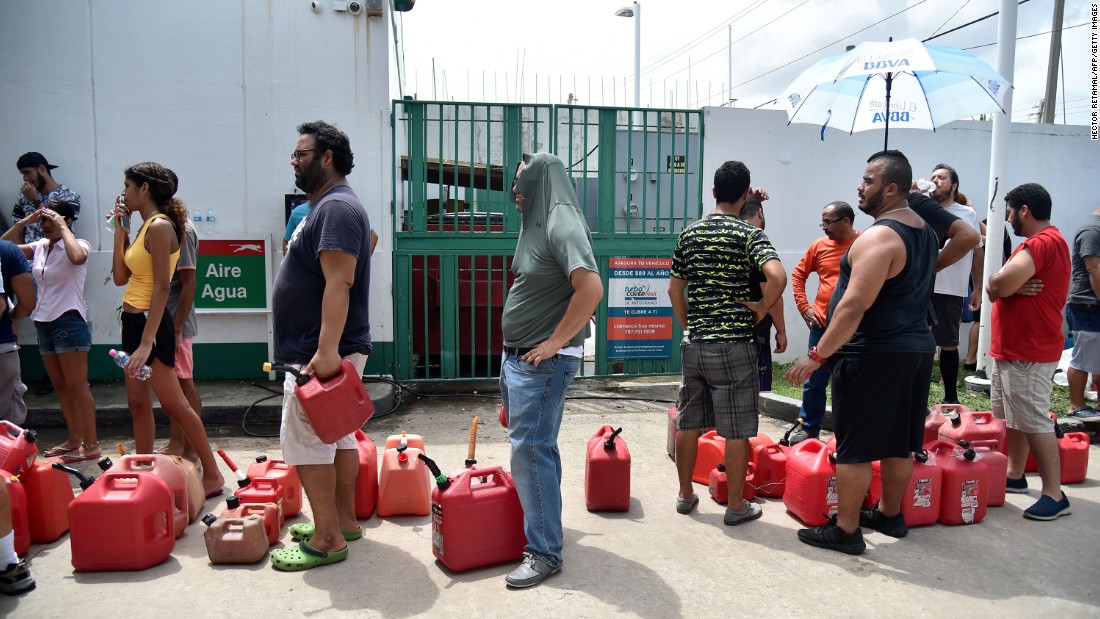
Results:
x,y
320,316
822,257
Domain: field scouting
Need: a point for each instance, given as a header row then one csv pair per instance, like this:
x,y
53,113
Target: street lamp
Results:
x,y
636,12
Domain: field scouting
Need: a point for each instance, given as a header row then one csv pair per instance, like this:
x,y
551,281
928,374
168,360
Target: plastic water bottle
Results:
x,y
121,358
209,221
196,220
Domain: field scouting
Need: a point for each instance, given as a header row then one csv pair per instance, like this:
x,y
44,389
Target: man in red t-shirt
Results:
x,y
1027,344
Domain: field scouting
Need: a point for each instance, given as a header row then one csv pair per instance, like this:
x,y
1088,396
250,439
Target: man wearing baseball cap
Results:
x,y
39,188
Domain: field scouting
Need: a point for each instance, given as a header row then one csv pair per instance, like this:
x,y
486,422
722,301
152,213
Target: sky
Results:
x,y
539,52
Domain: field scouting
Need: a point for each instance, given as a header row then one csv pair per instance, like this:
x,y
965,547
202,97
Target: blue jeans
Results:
x,y
813,391
68,332
534,400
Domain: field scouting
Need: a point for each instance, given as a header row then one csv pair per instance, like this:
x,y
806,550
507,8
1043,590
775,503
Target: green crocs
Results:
x,y
304,557
304,531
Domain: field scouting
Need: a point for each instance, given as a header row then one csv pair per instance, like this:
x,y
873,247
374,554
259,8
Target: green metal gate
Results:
x,y
638,179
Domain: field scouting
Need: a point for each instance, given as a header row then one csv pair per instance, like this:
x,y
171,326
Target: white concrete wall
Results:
x,y
210,88
803,173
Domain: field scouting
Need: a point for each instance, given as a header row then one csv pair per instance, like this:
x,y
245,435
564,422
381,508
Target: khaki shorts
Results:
x,y
1020,394
297,437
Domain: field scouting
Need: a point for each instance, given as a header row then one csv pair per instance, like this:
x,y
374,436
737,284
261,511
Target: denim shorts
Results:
x,y
69,332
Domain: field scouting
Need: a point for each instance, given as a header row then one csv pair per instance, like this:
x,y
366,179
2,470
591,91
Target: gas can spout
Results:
x,y
85,481
299,378
441,480
609,444
786,440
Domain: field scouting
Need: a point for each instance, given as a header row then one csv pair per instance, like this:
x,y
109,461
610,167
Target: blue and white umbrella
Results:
x,y
922,86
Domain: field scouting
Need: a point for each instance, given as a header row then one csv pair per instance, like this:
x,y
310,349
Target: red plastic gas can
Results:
x,y
48,496
404,481
477,523
235,539
1073,450
921,502
17,496
264,490
337,406
719,484
196,494
366,484
997,463
811,493
286,476
937,415
980,428
607,472
712,452
121,522
965,483
268,513
769,466
670,438
165,468
18,448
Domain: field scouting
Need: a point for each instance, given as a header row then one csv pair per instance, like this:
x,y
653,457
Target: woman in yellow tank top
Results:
x,y
145,267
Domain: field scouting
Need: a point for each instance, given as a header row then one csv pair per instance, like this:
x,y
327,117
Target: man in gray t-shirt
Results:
x,y
181,302
1083,316
544,324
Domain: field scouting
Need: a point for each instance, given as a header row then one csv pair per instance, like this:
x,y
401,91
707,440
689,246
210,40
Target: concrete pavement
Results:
x,y
649,562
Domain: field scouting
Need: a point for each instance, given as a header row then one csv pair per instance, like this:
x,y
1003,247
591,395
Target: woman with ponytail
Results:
x,y
145,267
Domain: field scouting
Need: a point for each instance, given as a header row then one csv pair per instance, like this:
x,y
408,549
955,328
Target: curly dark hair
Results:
x,y
330,138
1032,195
163,184
731,179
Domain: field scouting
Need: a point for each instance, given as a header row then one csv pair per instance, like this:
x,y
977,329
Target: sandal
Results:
x,y
304,557
85,454
59,450
304,531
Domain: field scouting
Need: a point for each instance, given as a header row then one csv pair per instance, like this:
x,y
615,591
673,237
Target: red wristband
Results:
x,y
813,354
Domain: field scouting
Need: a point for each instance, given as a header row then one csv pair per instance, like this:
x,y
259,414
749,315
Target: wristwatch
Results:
x,y
36,202
813,354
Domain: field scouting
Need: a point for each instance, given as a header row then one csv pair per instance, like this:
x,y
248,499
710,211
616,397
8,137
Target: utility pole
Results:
x,y
1052,62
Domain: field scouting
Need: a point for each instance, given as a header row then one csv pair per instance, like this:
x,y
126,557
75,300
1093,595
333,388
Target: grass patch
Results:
x,y
974,400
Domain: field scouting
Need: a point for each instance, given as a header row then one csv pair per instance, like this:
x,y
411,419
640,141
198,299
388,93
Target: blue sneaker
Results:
x,y
1017,486
1047,508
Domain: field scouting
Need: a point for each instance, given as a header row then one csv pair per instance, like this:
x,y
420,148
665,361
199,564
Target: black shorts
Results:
x,y
164,342
948,310
879,405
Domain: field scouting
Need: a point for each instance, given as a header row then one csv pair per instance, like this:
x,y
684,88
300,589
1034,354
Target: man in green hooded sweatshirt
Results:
x,y
545,323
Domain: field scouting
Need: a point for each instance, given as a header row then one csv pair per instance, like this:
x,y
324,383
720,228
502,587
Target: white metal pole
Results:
x,y
998,166
637,60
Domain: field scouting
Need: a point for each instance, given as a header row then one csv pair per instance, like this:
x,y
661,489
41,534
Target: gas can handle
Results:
x,y
492,471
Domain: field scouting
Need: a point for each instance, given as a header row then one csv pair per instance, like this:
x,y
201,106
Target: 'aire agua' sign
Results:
x,y
231,274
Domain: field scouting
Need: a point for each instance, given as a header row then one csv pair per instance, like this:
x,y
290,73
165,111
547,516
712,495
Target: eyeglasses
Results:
x,y
297,155
826,224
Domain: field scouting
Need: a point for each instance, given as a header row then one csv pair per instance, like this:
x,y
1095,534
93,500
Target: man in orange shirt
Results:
x,y
823,257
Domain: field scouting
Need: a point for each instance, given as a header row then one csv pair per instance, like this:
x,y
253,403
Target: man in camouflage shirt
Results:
x,y
712,278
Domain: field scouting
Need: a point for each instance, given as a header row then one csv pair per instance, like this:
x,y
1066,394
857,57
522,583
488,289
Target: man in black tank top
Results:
x,y
880,349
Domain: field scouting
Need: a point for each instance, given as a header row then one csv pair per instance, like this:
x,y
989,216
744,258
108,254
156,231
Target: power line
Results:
x,y
699,40
725,48
952,16
1037,34
980,19
693,43
783,66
